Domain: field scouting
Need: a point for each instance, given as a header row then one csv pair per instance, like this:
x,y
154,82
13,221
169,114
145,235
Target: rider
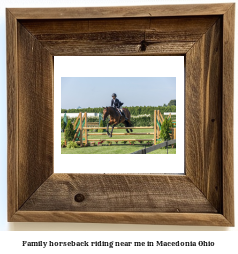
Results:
x,y
117,104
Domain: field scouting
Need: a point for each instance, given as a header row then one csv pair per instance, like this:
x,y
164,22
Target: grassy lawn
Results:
x,y
116,148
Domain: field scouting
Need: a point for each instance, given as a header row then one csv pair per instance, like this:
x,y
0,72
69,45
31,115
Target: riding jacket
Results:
x,y
116,103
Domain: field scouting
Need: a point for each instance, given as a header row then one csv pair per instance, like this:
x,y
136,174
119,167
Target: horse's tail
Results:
x,y
128,123
129,117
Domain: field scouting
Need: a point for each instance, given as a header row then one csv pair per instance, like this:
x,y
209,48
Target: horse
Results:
x,y
116,118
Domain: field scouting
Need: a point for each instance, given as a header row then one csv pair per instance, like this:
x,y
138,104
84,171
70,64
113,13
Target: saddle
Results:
x,y
123,114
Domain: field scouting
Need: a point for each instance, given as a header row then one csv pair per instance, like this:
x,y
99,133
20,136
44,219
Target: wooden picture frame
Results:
x,y
204,34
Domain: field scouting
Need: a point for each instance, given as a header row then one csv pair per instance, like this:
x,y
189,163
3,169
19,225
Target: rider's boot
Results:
x,y
120,115
124,116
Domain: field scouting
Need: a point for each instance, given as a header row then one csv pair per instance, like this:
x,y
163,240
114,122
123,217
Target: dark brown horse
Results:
x,y
116,118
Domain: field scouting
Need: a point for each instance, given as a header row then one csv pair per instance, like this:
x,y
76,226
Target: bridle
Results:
x,y
105,115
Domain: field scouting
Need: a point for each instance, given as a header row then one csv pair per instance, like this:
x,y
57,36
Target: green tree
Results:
x,y
172,102
63,124
165,128
134,110
102,124
69,131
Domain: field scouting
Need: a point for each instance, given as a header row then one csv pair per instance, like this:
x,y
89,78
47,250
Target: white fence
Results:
x,y
73,115
172,113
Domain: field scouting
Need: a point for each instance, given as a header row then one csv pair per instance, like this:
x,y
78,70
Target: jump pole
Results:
x,y
130,139
122,134
157,116
79,118
104,128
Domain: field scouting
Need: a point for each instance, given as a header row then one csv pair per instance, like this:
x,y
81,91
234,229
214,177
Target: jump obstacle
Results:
x,y
81,127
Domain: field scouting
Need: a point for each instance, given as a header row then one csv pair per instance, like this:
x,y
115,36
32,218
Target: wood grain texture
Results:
x,y
119,36
197,219
50,29
12,114
35,114
114,193
227,114
203,121
74,48
204,196
121,11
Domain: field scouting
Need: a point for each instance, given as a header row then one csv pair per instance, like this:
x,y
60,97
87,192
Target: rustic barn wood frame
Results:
x,y
204,34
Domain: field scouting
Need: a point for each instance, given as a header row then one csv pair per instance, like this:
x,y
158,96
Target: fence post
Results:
x,y
76,121
81,130
160,120
86,131
155,127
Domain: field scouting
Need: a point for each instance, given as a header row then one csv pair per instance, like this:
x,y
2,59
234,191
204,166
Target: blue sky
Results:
x,y
133,91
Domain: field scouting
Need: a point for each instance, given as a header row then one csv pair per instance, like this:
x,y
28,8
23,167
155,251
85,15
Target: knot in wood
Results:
x,y
143,45
79,198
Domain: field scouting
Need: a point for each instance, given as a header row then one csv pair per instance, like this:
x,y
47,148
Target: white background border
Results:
x,y
224,238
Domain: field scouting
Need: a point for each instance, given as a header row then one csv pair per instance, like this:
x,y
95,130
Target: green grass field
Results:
x,y
116,148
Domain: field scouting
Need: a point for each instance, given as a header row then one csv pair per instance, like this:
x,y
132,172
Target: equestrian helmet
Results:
x,y
114,95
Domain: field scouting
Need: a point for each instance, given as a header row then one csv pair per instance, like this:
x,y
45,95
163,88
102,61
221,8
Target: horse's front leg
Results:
x,y
112,130
108,129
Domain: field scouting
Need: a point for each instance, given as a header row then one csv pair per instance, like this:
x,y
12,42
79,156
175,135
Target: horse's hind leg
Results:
x,y
126,125
130,125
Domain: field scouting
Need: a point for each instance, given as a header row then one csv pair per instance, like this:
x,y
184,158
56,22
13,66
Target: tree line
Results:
x,y
134,110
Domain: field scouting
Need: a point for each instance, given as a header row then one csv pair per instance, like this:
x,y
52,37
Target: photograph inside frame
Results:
x,y
99,134
119,115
